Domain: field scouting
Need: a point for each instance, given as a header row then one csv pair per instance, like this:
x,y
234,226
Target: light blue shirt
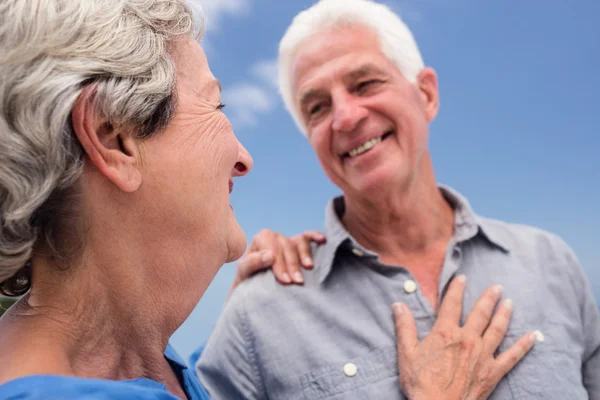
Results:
x,y
292,342
52,387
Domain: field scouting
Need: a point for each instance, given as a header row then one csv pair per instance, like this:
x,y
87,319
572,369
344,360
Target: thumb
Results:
x,y
406,331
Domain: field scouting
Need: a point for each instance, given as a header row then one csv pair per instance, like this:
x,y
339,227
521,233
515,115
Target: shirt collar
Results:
x,y
336,235
467,226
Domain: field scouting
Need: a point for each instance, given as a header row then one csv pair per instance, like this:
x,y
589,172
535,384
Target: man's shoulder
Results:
x,y
260,287
263,288
526,239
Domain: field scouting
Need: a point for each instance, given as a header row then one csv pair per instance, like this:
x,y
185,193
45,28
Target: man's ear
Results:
x,y
428,89
111,150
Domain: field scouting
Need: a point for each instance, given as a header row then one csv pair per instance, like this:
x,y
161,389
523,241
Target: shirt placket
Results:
x,y
451,267
425,315
412,296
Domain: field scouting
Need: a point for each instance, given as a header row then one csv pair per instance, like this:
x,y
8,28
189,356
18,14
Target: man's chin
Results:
x,y
373,187
378,181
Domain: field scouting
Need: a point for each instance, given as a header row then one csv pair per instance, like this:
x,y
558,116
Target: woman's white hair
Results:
x,y
49,51
396,40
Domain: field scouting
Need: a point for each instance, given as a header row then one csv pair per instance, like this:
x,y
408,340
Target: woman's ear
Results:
x,y
113,151
428,88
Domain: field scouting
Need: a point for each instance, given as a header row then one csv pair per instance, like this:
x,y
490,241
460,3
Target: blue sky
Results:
x,y
517,130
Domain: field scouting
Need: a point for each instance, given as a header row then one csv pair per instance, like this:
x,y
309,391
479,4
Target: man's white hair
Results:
x,y
396,40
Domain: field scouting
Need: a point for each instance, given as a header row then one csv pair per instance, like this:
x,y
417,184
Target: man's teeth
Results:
x,y
368,145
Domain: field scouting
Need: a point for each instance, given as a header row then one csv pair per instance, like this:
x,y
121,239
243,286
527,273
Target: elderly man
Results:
x,y
353,79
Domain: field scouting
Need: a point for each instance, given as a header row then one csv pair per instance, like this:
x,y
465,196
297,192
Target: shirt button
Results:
x,y
410,286
358,252
350,369
539,336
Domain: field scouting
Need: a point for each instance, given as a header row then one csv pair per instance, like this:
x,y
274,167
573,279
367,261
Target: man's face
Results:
x,y
366,122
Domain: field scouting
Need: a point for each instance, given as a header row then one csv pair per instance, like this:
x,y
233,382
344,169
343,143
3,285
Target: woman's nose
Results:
x,y
244,163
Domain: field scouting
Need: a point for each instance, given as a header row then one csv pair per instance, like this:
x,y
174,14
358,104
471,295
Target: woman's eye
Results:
x,y
221,106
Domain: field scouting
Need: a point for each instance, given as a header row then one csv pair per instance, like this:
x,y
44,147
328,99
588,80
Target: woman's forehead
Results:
x,y
193,70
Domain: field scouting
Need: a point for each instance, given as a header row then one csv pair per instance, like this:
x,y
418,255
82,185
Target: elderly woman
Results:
x,y
116,164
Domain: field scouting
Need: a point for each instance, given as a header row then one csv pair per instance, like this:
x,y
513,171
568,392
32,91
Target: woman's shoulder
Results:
x,y
54,387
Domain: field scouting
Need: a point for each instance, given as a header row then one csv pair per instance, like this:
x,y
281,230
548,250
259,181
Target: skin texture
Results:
x,y
158,226
349,92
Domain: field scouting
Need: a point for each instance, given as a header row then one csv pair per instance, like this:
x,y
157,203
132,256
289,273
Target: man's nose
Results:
x,y
347,113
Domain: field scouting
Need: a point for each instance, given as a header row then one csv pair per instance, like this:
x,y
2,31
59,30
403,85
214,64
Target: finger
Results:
x,y
303,244
266,239
511,357
406,332
290,255
304,252
495,333
481,315
280,269
315,236
451,308
253,262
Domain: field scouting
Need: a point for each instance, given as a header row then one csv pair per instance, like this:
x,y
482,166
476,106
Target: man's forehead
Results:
x,y
345,59
365,69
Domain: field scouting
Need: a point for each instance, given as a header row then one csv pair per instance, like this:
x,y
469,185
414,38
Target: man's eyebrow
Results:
x,y
364,70
311,94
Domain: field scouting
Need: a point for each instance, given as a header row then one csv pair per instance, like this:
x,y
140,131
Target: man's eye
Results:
x,y
221,106
315,109
365,84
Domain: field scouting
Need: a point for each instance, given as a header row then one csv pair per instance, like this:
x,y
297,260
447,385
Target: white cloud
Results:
x,y
267,72
248,99
245,101
214,10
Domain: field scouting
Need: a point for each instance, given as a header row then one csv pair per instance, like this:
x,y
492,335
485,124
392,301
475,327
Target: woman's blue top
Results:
x,y
53,387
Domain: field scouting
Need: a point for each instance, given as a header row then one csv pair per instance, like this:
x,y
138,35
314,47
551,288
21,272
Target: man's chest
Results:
x,y
337,341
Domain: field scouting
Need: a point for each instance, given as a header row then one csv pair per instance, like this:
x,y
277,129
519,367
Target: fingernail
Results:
x,y
267,257
308,262
298,277
286,278
498,290
508,304
462,278
532,337
397,307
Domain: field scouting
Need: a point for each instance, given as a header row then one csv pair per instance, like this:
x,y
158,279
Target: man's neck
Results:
x,y
405,222
409,228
